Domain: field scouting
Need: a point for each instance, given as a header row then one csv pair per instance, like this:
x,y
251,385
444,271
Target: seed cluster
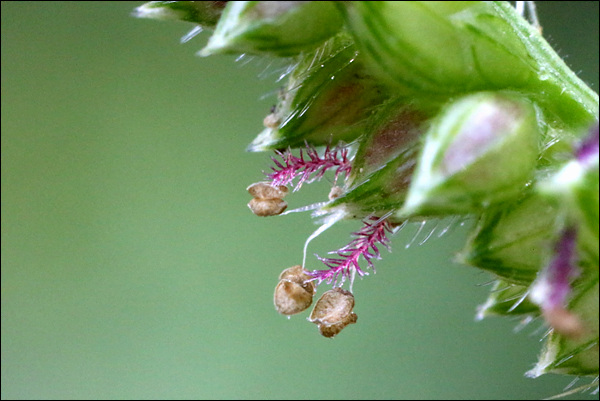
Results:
x,y
294,294
267,199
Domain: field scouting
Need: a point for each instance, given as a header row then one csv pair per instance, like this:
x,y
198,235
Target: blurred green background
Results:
x,y
132,268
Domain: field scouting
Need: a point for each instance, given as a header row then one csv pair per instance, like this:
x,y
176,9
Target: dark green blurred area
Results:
x,y
132,268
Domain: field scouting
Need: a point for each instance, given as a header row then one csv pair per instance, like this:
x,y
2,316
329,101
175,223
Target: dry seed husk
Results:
x,y
334,329
291,298
267,207
333,307
296,274
264,190
333,312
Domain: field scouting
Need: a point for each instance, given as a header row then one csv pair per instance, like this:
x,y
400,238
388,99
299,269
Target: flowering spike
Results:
x,y
309,170
451,108
373,232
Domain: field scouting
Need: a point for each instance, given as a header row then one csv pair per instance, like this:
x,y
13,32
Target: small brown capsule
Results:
x,y
291,298
296,274
267,207
264,190
334,329
333,312
271,121
335,192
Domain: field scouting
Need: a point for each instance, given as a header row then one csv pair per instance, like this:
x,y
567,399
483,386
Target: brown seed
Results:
x,y
291,298
296,274
267,207
334,329
264,190
333,312
333,306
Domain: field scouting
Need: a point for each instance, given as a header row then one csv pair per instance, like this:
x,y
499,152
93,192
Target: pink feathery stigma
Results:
x,y
309,168
373,232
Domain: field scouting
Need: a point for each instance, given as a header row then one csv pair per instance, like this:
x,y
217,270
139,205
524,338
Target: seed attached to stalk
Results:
x,y
267,207
333,312
265,190
267,199
294,293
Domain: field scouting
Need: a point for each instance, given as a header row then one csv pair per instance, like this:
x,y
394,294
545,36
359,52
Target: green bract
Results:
x,y
385,159
575,355
282,28
511,240
203,13
480,150
466,46
574,189
507,299
327,99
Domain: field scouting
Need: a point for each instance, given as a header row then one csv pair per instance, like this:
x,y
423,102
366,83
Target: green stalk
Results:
x,y
556,87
